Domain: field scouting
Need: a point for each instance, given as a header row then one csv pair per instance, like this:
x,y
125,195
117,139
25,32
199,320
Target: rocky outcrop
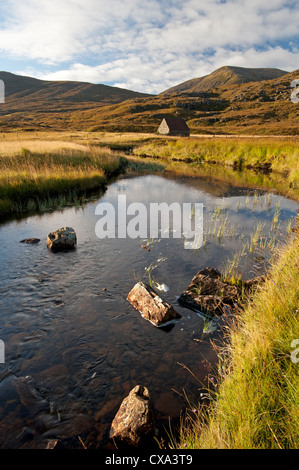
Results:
x,y
209,294
134,422
62,239
151,306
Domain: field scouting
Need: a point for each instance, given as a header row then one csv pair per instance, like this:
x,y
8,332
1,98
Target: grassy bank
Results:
x,y
256,405
278,155
30,180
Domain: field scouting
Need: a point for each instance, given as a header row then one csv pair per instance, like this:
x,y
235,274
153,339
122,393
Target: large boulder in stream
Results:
x,y
62,239
134,422
210,294
151,306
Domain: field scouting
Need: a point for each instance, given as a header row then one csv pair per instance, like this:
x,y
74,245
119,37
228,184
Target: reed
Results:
x,y
255,237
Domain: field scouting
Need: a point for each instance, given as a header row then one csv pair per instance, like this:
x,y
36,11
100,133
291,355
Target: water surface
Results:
x,y
75,347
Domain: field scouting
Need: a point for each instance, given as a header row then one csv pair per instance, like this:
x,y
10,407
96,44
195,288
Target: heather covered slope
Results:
x,y
257,107
226,75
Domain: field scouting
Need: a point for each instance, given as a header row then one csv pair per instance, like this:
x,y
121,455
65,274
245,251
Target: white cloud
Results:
x,y
272,57
147,46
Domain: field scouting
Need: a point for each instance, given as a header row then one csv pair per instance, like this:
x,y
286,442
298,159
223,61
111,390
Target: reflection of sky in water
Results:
x,y
56,314
244,212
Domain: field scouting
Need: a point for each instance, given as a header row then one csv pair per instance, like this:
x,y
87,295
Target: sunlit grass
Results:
x,y
256,405
28,180
280,154
277,155
15,146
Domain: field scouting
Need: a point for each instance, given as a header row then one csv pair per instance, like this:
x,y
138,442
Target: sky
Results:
x,y
146,46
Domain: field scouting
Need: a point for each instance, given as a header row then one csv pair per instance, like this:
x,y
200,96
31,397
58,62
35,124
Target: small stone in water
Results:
x,y
30,241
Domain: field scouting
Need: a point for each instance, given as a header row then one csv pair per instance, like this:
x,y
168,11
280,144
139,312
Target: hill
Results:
x,y
27,94
226,75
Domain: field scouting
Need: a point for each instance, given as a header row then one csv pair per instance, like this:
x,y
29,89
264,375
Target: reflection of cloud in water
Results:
x,y
151,188
244,211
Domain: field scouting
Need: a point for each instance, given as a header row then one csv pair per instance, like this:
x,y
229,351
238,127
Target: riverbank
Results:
x,y
256,402
275,162
41,170
34,180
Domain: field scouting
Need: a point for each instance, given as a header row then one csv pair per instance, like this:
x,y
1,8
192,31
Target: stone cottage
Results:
x,y
174,126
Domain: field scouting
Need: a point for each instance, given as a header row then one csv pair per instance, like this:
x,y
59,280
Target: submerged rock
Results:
x,y
134,421
209,294
62,239
30,241
151,306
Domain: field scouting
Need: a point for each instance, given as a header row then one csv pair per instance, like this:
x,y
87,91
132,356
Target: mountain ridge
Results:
x,y
226,75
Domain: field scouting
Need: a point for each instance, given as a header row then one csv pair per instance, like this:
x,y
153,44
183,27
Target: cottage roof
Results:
x,y
177,124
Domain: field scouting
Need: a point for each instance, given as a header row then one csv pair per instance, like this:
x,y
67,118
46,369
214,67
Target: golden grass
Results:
x,y
257,403
12,147
279,155
29,180
282,153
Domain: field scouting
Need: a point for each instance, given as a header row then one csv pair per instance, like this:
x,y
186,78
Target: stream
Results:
x,y
75,347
